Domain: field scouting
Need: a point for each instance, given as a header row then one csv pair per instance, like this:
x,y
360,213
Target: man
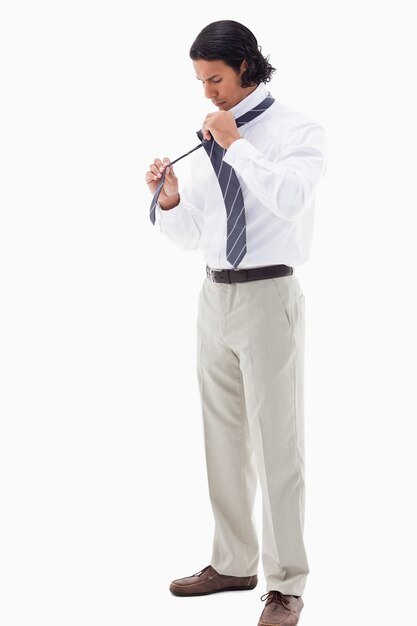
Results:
x,y
249,206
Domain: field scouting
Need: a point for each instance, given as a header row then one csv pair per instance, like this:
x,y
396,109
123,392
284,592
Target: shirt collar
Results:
x,y
250,101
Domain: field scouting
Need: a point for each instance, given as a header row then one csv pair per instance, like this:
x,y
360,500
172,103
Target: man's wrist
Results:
x,y
230,141
167,206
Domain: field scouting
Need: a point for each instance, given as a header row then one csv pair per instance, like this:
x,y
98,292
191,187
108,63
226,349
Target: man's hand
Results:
x,y
222,127
169,196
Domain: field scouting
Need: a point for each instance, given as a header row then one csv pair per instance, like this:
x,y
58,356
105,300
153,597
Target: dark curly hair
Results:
x,y
231,42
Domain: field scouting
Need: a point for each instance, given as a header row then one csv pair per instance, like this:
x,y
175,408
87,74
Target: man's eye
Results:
x,y
219,80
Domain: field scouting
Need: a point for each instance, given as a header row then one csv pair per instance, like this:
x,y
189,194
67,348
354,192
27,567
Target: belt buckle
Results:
x,y
218,276
210,273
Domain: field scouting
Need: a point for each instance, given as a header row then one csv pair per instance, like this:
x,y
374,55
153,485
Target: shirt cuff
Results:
x,y
239,151
172,215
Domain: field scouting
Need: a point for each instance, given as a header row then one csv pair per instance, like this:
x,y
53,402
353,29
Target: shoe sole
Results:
x,y
207,593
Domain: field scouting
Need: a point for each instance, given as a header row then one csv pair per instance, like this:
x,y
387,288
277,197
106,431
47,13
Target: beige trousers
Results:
x,y
250,365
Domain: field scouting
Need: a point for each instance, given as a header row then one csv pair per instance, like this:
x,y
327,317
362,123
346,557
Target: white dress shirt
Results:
x,y
279,162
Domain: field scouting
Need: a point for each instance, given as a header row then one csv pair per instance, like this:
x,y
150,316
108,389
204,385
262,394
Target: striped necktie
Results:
x,y
229,185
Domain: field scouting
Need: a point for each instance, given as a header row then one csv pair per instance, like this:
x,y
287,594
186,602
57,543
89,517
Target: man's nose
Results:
x,y
210,91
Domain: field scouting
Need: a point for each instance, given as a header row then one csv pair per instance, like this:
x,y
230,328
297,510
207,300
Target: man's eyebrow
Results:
x,y
211,77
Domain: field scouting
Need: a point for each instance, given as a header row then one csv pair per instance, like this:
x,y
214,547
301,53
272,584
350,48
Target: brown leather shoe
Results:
x,y
280,610
209,581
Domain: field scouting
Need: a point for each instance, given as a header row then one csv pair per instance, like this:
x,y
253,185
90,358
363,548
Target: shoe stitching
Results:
x,y
261,623
276,623
198,582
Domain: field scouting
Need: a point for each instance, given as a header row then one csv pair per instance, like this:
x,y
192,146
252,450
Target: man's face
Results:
x,y
222,84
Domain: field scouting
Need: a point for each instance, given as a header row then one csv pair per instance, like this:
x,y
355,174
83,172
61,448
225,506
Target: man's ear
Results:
x,y
243,66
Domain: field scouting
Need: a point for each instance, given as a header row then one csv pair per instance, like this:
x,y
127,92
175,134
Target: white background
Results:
x,y
103,489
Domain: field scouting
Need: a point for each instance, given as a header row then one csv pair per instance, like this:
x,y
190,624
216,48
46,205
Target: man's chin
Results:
x,y
222,106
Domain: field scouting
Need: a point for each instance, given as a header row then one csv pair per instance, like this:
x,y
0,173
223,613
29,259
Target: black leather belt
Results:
x,y
251,273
